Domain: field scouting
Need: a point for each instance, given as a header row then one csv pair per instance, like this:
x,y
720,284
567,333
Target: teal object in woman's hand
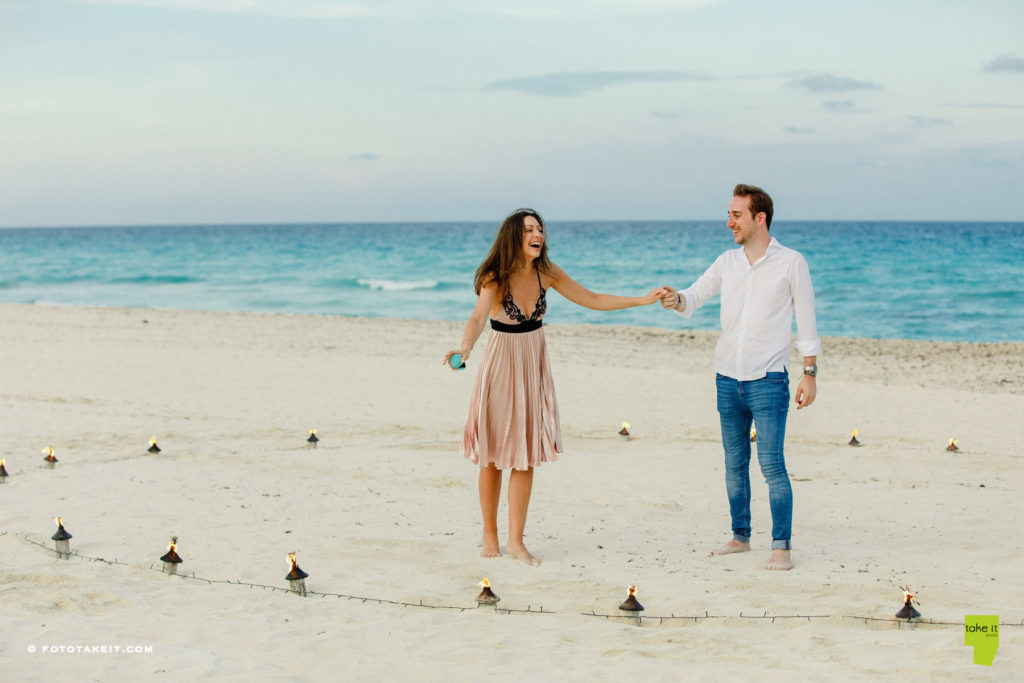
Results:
x,y
455,361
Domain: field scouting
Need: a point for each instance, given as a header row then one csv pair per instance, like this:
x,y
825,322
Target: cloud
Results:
x,y
346,9
545,9
822,83
798,130
930,121
982,105
365,156
304,9
577,83
670,113
842,107
1006,63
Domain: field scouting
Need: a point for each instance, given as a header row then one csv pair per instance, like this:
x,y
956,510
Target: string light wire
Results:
x,y
631,618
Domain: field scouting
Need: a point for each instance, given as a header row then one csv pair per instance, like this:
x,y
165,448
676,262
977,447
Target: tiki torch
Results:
x,y
171,559
60,540
487,596
296,577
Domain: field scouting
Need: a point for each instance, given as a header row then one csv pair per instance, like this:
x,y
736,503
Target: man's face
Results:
x,y
744,226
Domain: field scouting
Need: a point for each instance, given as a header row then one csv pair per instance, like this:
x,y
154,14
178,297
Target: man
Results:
x,y
763,285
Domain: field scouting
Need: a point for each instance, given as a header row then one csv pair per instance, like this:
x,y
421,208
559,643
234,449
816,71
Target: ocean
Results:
x,y
910,280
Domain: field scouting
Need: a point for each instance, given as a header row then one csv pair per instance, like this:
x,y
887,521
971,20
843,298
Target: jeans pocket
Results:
x,y
773,389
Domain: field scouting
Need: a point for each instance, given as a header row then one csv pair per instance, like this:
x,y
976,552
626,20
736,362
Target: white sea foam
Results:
x,y
396,286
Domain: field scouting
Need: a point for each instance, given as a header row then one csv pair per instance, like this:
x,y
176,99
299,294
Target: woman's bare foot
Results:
x,y
732,546
519,551
780,560
490,546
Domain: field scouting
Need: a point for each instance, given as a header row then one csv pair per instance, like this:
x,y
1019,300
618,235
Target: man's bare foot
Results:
x,y
732,546
490,546
780,560
519,551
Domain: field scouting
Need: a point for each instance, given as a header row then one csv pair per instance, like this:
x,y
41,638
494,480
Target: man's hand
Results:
x,y
806,391
669,297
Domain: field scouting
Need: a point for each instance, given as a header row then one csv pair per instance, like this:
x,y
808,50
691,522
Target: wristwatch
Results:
x,y
811,370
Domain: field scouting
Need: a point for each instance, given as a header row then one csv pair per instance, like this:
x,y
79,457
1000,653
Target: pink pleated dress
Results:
x,y
513,412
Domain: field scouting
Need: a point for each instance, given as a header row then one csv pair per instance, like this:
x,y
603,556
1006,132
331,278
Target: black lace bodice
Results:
x,y
513,311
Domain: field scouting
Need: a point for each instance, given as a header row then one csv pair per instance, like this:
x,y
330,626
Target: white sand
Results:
x,y
385,508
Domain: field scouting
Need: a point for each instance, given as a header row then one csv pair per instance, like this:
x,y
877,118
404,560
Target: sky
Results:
x,y
134,112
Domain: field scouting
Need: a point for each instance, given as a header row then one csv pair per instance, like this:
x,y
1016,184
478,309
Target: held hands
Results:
x,y
669,297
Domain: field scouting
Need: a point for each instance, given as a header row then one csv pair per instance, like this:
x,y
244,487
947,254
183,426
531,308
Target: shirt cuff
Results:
x,y
809,347
690,307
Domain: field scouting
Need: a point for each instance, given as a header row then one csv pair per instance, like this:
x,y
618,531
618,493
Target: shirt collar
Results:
x,y
773,246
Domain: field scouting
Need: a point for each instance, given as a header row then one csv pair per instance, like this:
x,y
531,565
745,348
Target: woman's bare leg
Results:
x,y
490,491
520,485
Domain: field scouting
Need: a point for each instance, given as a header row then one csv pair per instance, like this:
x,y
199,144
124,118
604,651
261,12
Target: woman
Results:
x,y
513,414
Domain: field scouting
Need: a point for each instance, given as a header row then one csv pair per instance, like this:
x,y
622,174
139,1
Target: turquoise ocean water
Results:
x,y
938,281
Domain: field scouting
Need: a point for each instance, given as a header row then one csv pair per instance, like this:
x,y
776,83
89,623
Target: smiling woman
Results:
x,y
513,413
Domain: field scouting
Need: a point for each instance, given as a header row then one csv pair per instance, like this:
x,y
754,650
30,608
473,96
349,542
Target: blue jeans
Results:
x,y
765,402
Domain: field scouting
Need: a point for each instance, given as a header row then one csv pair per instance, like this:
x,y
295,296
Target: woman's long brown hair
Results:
x,y
507,251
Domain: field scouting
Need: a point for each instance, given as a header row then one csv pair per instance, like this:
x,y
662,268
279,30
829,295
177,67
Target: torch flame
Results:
x,y
174,544
291,560
952,441
152,441
853,434
59,521
485,583
48,451
632,591
625,425
753,433
2,462
312,432
907,595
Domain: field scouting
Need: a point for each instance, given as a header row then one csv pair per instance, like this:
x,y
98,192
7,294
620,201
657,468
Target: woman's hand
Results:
x,y
447,357
652,296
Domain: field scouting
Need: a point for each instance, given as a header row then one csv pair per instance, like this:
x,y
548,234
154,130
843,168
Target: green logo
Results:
x,y
982,632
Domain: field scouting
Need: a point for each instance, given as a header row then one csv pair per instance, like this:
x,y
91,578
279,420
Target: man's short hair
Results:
x,y
760,202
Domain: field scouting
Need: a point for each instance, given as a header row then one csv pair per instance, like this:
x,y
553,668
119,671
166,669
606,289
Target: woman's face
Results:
x,y
533,238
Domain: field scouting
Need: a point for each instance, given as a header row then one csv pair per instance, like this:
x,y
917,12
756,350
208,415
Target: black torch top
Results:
x,y
172,555
61,534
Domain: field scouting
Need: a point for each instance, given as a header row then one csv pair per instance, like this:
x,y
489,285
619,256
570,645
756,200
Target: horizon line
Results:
x,y
235,224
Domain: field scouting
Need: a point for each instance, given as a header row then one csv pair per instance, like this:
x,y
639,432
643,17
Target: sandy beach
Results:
x,y
383,513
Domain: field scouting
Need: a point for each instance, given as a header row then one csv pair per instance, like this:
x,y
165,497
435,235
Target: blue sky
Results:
x,y
182,111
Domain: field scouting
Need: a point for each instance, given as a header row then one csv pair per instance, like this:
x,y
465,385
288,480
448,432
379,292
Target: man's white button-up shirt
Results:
x,y
759,302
